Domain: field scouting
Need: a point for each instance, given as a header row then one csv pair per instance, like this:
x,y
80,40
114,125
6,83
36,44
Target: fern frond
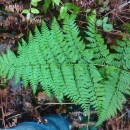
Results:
x,y
8,66
47,47
59,41
22,48
76,44
122,57
73,88
58,60
115,87
101,52
64,65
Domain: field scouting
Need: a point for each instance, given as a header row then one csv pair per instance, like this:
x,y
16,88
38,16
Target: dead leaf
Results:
x,y
61,109
42,96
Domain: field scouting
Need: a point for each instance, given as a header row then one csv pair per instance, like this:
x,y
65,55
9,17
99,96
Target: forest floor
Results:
x,y
16,103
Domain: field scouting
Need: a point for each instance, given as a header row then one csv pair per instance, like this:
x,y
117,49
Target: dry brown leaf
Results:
x,y
61,109
42,96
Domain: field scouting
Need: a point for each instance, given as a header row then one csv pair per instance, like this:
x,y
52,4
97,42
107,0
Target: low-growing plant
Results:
x,y
66,64
103,23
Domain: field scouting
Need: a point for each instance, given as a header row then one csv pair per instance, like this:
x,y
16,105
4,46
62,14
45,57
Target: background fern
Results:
x,y
65,65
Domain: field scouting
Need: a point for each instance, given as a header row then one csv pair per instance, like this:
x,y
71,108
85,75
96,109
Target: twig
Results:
x,y
14,116
123,5
50,103
119,18
121,116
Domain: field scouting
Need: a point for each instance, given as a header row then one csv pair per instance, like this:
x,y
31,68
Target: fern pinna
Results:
x,y
66,64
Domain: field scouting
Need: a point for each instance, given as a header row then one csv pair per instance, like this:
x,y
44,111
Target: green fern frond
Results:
x,y
95,89
115,87
101,53
60,61
71,34
22,48
59,40
48,59
122,57
8,66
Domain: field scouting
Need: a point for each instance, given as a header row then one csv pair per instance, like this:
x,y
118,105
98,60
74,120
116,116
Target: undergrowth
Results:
x,y
66,64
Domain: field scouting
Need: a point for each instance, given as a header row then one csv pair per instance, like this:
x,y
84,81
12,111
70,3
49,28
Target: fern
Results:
x,y
63,64
101,53
76,44
122,57
117,83
115,87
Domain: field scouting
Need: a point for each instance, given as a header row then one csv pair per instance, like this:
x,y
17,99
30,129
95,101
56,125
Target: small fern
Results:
x,y
64,64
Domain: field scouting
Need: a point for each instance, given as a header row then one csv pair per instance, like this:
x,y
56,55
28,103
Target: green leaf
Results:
x,y
107,27
99,22
34,11
105,19
63,12
72,7
35,2
57,2
25,11
65,8
101,9
46,5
